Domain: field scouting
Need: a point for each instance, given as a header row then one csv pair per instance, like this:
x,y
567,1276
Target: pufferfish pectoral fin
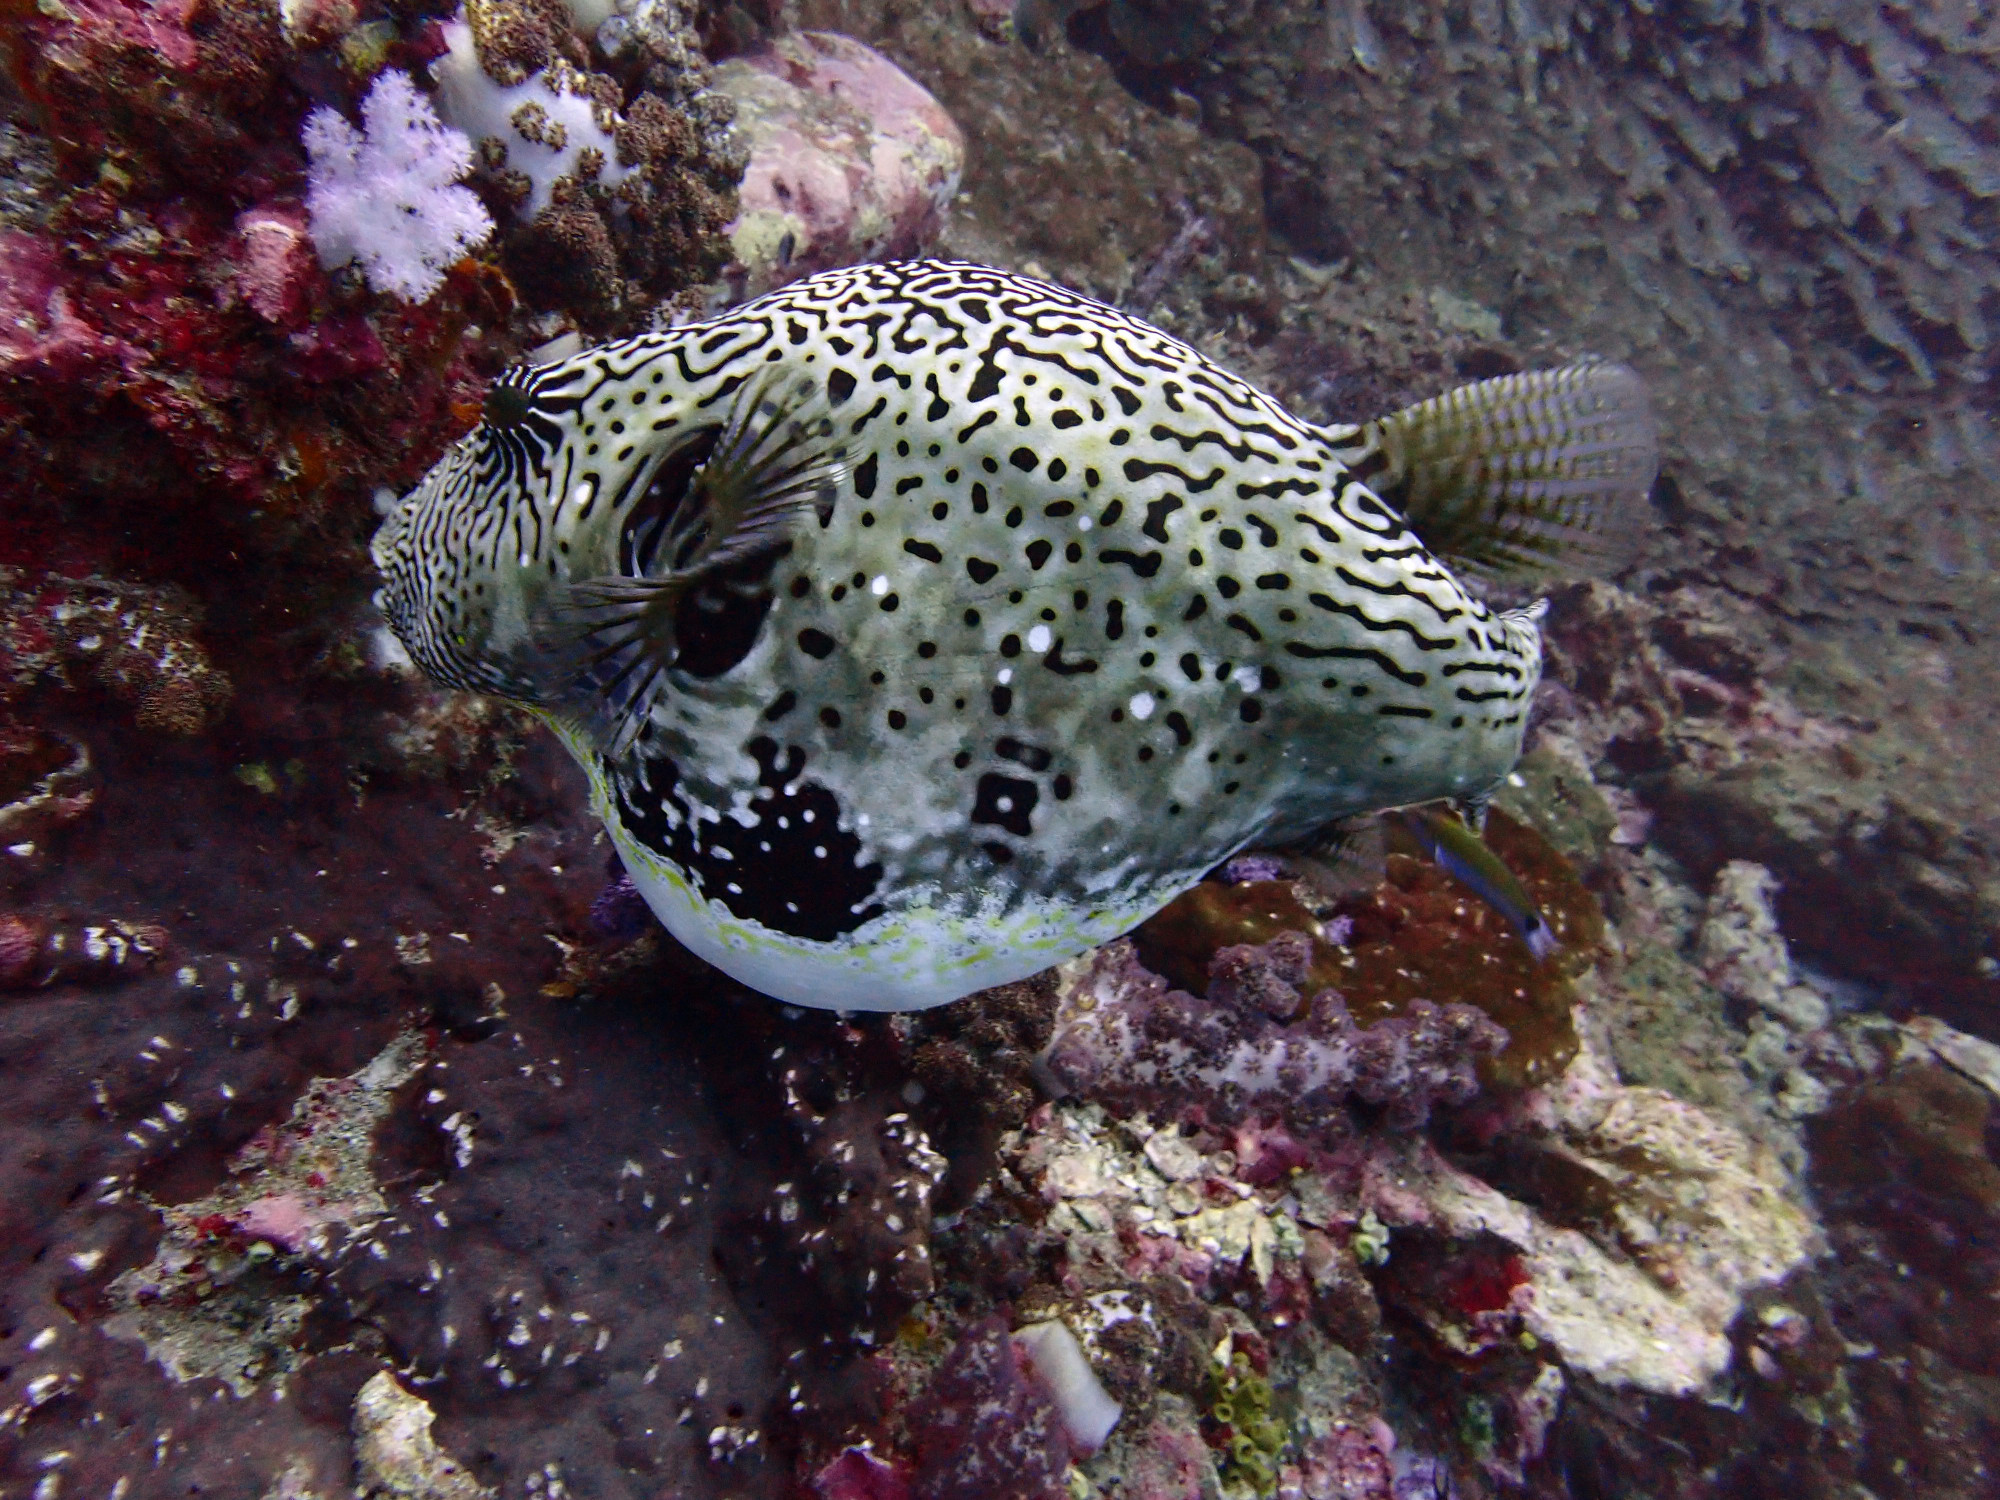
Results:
x,y
609,642
1522,470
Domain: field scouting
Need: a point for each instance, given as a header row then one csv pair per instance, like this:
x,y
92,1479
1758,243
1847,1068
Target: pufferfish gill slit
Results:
x,y
922,625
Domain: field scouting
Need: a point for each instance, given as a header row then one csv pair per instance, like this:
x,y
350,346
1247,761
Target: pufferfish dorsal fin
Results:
x,y
1515,473
611,641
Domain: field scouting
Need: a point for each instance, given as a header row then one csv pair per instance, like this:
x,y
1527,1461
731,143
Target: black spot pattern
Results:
x,y
1034,757
1006,801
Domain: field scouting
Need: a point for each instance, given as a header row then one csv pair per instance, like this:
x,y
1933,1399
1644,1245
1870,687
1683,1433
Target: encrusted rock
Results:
x,y
850,159
46,782
1652,1222
1745,954
395,1456
139,640
210,1303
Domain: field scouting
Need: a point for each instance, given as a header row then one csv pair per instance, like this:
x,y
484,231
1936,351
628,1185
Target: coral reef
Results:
x,y
1674,699
985,1428
1794,199
394,1453
978,1057
207,1305
125,379
363,1131
1067,175
616,170
196,394
139,641
1412,938
1477,188
328,1130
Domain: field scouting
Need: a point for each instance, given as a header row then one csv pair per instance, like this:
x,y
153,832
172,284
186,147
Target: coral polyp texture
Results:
x,y
1415,938
609,160
1124,1036
140,642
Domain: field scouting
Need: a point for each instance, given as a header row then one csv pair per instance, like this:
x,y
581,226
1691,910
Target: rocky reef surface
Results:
x,y
364,1135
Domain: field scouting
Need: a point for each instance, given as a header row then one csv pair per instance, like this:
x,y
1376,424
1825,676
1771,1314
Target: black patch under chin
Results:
x,y
792,868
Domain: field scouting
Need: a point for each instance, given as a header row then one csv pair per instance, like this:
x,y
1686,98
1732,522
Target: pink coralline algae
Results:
x,y
273,256
1130,1041
1348,1463
984,1429
850,159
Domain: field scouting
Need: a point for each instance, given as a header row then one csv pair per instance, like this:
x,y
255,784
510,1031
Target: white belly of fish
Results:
x,y
909,958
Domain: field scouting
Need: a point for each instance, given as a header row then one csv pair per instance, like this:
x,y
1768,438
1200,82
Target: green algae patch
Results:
x,y
1250,1438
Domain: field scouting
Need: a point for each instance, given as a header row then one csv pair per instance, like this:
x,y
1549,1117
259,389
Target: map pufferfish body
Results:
x,y
1078,615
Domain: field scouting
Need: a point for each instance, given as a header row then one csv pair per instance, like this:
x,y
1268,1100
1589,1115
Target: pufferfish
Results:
x,y
922,625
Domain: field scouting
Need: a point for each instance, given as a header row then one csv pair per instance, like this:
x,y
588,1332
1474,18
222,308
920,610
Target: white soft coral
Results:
x,y
391,199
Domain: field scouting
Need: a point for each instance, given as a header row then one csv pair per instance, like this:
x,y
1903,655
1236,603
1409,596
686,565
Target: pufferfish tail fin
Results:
x,y
610,641
1513,474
